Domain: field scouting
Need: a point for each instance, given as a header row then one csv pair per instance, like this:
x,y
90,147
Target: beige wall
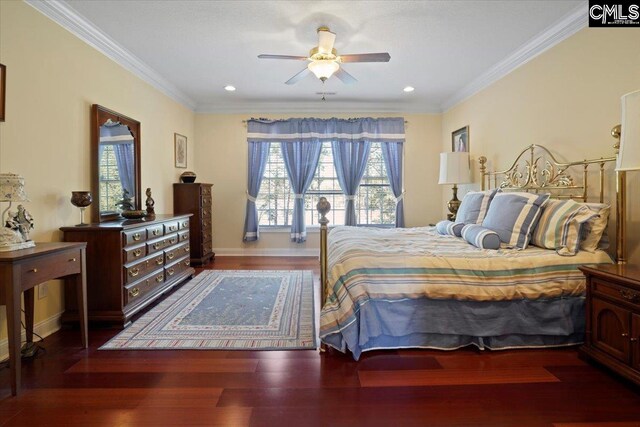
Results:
x,y
222,160
52,80
567,99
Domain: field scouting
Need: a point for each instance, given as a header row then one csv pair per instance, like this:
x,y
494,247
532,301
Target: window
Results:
x,y
375,203
110,184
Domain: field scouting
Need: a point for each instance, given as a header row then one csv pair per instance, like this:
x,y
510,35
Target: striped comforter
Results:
x,y
400,264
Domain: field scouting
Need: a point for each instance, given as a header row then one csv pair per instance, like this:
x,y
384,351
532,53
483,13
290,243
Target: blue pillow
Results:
x,y
514,216
481,237
449,228
474,206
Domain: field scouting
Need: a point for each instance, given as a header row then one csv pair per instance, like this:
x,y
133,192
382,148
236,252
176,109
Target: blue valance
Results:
x,y
388,129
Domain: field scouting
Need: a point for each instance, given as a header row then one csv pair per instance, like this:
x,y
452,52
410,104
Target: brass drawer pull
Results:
x,y
137,252
185,224
157,245
160,278
72,260
186,263
134,272
136,237
172,241
628,295
134,292
185,236
159,261
171,255
33,270
186,248
172,228
156,232
170,272
624,334
633,339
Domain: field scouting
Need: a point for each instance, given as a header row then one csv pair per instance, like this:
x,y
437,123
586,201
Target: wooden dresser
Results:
x,y
613,318
196,199
130,263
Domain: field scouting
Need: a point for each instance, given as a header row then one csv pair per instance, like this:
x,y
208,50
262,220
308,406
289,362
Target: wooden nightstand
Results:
x,y
613,318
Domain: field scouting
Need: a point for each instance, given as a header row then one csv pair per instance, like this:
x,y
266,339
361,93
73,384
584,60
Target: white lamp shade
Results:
x,y
454,168
323,69
629,155
12,188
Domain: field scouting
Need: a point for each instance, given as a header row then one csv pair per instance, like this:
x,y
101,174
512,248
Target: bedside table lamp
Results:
x,y
14,229
628,159
454,169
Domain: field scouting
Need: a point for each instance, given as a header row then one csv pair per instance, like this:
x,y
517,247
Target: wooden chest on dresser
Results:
x,y
196,199
129,265
613,318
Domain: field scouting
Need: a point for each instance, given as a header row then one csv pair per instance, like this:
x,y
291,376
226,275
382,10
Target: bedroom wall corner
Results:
x,y
568,99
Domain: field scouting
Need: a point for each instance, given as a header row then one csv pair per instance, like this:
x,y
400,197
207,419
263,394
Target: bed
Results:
x,y
412,287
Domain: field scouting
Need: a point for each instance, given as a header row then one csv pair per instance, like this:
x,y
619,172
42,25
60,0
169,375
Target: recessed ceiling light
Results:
x,y
409,89
229,88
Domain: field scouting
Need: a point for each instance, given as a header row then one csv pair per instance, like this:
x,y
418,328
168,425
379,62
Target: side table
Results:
x,y
21,271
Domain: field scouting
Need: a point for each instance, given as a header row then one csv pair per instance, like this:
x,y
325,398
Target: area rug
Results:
x,y
230,310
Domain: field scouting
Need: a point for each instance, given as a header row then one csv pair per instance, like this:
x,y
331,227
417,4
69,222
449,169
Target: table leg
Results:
x,y
13,328
28,313
81,292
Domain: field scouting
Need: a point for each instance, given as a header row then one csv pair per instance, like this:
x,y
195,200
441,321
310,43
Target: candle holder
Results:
x,y
81,199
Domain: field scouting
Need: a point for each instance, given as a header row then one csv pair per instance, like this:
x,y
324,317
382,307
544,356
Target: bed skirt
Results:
x,y
451,324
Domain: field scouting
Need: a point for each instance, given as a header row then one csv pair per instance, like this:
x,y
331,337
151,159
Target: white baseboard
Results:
x,y
288,252
43,328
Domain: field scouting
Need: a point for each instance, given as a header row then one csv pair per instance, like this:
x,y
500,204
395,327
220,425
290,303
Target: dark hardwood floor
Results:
x,y
74,387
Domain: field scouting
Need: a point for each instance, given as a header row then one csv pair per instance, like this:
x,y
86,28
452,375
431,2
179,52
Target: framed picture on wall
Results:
x,y
180,147
3,87
460,139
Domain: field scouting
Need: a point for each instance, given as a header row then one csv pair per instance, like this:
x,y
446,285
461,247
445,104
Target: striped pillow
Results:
x,y
560,226
514,216
481,237
474,206
449,228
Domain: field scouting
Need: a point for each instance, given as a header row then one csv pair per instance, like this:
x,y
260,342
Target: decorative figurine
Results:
x,y
20,221
150,202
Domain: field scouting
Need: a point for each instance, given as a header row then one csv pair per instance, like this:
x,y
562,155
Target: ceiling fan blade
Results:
x,y
299,58
325,41
295,79
344,76
366,57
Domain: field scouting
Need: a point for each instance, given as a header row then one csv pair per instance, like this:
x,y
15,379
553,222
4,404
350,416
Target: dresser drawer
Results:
x,y
183,224
137,291
139,269
132,237
155,231
132,253
177,267
173,253
616,292
171,227
183,236
39,270
156,245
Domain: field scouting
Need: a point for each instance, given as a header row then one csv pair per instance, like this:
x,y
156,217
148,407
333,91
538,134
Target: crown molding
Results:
x,y
570,24
315,107
86,31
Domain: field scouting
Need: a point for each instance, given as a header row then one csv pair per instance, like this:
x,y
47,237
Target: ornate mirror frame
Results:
x,y
99,116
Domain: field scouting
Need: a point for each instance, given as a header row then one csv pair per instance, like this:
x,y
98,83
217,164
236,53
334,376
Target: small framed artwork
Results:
x,y
3,87
180,147
460,139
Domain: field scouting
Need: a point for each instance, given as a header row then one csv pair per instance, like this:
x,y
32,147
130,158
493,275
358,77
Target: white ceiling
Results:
x,y
442,48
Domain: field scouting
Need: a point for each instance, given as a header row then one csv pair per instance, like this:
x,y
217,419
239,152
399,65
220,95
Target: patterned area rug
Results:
x,y
230,310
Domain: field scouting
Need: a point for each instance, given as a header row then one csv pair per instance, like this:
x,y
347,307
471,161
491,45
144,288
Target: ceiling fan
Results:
x,y
324,60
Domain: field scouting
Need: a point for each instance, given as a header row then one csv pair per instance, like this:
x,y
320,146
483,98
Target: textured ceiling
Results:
x,y
438,47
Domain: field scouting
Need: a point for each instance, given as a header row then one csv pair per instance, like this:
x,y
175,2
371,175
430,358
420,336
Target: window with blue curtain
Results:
x,y
355,163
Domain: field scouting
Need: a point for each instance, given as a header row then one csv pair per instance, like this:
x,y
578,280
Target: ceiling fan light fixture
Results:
x,y
323,69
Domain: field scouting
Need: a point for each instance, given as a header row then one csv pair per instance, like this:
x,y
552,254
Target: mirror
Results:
x,y
115,164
